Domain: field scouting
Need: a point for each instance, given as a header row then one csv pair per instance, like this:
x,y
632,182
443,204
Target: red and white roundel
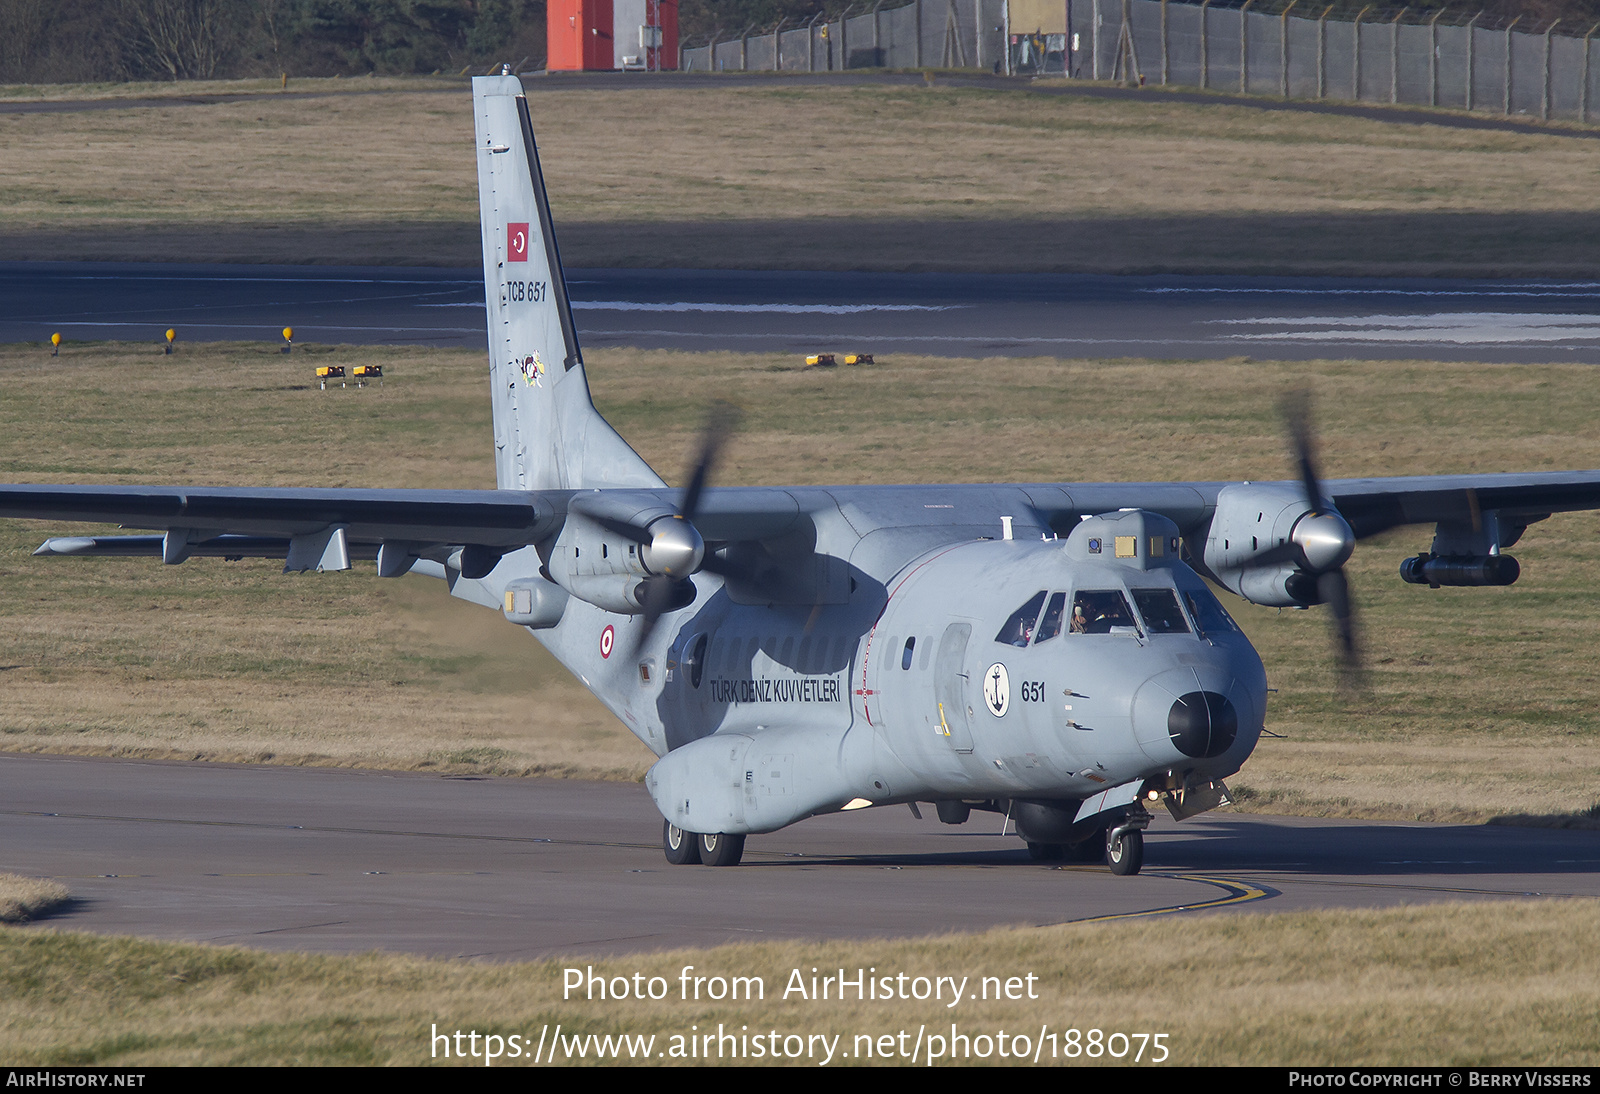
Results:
x,y
608,638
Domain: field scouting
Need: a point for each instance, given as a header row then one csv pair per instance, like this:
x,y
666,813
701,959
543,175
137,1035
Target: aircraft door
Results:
x,y
950,686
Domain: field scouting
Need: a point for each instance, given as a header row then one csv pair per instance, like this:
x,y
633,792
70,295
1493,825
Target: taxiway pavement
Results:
x,y
958,315
513,869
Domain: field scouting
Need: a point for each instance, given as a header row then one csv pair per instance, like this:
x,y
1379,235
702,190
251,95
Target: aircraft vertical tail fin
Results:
x,y
547,433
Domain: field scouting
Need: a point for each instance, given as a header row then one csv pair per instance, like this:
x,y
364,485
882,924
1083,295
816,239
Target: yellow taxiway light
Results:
x,y
172,336
288,339
55,340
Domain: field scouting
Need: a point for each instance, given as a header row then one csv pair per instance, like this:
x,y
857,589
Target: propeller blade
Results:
x,y
1296,409
720,420
1333,589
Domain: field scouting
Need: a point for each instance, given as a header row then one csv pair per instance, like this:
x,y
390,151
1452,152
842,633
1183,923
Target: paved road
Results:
x,y
799,312
511,869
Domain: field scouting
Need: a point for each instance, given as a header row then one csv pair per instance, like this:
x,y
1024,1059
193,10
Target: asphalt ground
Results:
x,y
513,869
960,315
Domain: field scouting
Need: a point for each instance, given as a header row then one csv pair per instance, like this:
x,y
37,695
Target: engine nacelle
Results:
x,y
1437,570
1266,542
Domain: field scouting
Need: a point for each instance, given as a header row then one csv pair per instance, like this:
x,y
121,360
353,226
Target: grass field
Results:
x,y
789,174
1439,985
1482,702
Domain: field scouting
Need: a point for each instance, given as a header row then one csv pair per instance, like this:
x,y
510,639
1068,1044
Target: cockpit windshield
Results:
x,y
1160,611
1209,615
1096,611
1019,628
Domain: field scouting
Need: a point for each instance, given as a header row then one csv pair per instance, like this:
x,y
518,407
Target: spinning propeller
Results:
x,y
674,550
1320,543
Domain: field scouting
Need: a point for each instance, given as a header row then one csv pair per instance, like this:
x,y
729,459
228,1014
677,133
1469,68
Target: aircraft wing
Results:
x,y
1375,505
304,525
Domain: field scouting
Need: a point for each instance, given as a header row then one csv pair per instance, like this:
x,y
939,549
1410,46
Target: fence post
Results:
x,y
1244,47
777,45
711,51
877,36
917,56
1165,67
1394,56
1472,35
844,38
1322,53
1583,93
1205,53
1355,67
1094,40
744,48
1513,23
1433,58
978,32
1283,48
1544,100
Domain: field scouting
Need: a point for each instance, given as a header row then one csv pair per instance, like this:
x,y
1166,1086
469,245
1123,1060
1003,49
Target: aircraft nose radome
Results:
x,y
1202,724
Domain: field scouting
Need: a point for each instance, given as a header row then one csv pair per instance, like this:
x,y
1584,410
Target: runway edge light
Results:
x,y
172,336
288,339
55,342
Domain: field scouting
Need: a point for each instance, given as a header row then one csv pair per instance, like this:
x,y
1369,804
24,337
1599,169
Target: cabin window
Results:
x,y
1096,611
905,658
1054,619
1160,611
1019,628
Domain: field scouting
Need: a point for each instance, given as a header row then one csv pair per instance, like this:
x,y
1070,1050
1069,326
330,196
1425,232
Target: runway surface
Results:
x,y
1180,318
512,869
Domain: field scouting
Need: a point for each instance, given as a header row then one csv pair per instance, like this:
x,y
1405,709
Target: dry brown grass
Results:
x,y
803,176
25,898
1482,702
1454,984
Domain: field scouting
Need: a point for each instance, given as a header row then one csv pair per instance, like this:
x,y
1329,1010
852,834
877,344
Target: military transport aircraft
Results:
x,y
1048,651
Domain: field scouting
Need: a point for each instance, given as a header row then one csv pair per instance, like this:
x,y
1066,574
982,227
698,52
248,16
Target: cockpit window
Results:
x,y
1160,611
1019,628
1208,614
1096,612
1054,618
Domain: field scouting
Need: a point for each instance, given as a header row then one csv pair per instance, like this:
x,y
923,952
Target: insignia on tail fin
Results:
x,y
547,433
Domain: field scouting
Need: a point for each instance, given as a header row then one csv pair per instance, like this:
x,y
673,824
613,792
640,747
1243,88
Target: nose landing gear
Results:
x,y
1125,849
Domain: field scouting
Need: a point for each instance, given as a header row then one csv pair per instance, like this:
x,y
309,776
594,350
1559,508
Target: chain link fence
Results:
x,y
923,34
1367,56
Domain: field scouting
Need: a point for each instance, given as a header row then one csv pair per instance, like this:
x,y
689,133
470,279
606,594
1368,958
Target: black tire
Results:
x,y
720,849
1125,852
1046,852
682,848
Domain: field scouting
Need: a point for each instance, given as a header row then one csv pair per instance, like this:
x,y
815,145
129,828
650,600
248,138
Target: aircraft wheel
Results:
x,y
720,849
682,848
1046,852
1125,852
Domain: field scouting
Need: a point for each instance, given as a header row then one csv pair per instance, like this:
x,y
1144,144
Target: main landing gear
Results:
x,y
711,848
